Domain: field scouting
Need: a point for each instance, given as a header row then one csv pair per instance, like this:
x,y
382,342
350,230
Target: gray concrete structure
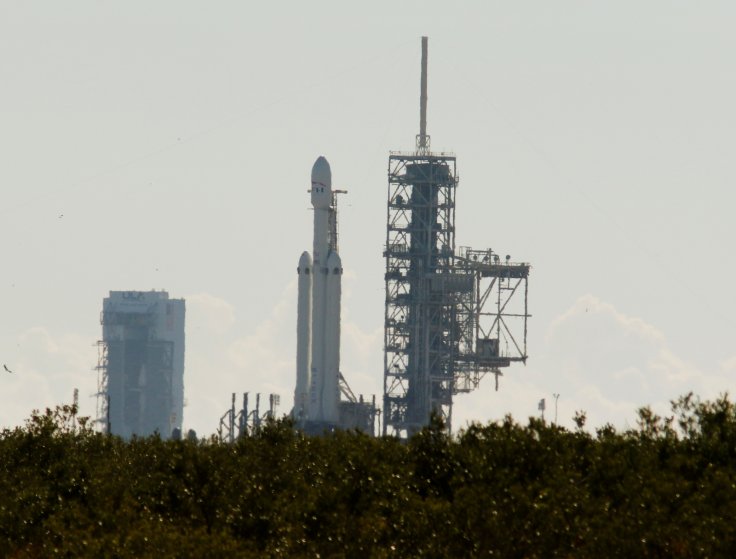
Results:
x,y
141,363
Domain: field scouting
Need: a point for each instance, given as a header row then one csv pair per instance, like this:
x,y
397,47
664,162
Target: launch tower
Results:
x,y
451,316
141,364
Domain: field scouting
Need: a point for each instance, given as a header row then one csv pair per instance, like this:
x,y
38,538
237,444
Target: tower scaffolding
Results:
x,y
450,317
420,242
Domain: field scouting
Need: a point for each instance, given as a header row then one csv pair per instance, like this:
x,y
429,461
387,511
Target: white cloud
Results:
x,y
729,365
222,358
595,307
47,368
209,312
362,359
602,361
599,359
262,360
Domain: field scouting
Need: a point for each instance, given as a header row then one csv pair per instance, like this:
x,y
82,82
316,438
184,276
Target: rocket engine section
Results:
x,y
317,393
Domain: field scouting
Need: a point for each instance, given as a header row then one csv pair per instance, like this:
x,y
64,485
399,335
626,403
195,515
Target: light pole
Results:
x,y
557,397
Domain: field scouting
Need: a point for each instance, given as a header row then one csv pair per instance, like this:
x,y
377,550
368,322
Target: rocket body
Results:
x,y
303,336
329,393
324,285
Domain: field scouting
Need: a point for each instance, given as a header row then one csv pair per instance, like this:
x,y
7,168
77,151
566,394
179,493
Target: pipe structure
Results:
x,y
423,98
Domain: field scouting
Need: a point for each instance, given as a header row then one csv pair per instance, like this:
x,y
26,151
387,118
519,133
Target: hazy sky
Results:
x,y
169,144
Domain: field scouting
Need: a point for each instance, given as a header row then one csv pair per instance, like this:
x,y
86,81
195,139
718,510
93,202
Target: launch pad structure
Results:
x,y
451,317
141,364
235,424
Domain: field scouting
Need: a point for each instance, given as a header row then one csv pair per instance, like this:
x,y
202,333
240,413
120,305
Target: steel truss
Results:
x,y
449,318
102,409
420,242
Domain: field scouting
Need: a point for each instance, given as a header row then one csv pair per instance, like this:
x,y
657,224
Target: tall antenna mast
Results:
x,y
446,315
423,138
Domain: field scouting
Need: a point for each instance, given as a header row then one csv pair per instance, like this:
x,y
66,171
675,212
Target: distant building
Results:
x,y
141,364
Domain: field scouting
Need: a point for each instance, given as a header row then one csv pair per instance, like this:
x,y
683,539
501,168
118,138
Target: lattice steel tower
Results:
x,y
439,338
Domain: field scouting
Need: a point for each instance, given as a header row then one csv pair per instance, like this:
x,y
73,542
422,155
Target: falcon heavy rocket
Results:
x,y
317,393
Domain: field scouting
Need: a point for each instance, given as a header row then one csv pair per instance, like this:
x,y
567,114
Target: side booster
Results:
x,y
317,393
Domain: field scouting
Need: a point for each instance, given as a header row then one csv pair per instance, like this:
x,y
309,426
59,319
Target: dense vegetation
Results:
x,y
665,489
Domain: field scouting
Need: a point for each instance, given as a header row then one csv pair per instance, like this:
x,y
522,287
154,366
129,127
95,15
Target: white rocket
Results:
x,y
317,393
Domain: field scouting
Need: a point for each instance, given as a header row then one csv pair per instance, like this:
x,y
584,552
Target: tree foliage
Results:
x,y
664,489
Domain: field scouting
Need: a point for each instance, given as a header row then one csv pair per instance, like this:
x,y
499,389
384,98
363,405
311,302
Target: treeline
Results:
x,y
664,489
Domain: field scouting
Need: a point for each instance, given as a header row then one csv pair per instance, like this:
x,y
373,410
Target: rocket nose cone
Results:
x,y
305,261
321,173
334,263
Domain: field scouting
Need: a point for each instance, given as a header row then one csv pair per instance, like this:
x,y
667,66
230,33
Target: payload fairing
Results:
x,y
317,393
